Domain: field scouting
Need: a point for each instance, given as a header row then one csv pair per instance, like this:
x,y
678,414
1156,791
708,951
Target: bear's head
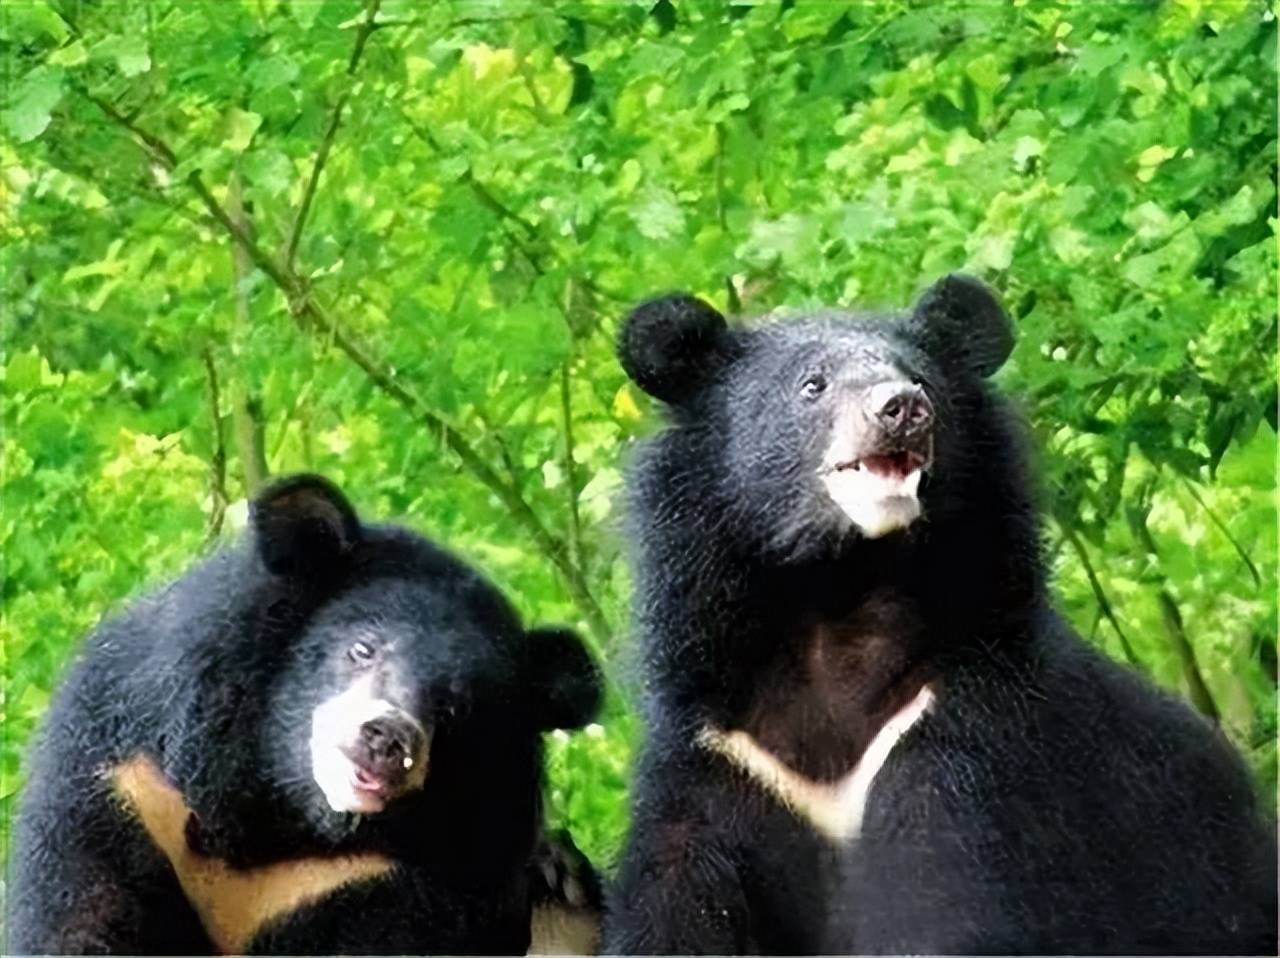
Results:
x,y
813,430
407,672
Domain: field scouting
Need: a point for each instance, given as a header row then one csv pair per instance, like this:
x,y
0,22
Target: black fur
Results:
x,y
1051,802
216,677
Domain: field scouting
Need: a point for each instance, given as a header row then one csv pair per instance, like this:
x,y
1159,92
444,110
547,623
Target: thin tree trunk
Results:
x,y
246,404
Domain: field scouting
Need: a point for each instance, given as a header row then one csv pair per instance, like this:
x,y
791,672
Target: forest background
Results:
x,y
392,242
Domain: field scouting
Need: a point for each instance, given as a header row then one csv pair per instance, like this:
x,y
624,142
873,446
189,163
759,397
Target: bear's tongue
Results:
x,y
367,781
896,465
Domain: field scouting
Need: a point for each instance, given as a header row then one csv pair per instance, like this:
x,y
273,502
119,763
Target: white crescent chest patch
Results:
x,y
834,809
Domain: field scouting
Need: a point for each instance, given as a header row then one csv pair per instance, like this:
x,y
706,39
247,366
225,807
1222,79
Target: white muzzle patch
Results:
x,y
874,502
335,727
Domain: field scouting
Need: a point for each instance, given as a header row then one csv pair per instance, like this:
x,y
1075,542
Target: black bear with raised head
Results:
x,y
868,731
324,740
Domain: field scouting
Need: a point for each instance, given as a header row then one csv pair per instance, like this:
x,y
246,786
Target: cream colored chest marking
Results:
x,y
834,809
233,904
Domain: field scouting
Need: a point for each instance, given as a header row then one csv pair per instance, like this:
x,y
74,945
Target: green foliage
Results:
x,y
430,320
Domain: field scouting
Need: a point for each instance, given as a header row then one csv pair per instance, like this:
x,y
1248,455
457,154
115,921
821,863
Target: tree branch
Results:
x,y
504,212
246,403
551,547
363,32
570,469
303,307
1099,594
1222,527
1197,687
218,461
157,147
247,417
514,478
161,152
539,108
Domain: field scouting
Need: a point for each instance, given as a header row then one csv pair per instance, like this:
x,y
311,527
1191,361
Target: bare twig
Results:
x,y
570,468
363,32
731,290
481,192
1099,593
157,147
718,173
1170,615
504,212
539,107
218,461
514,476
1222,527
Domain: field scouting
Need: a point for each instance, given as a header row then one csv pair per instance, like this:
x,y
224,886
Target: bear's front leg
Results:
x,y
410,910
87,880
680,886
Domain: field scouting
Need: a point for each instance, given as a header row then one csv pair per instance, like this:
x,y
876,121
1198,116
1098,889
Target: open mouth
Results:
x,y
368,782
879,491
354,787
890,465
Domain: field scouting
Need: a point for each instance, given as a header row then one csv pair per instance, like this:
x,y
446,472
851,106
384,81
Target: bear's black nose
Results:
x,y
901,408
389,740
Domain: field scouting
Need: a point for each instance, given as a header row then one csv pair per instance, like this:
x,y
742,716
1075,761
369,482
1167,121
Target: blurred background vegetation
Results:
x,y
392,241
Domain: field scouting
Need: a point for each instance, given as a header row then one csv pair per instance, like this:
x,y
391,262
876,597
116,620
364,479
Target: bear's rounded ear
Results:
x,y
302,525
961,319
566,683
673,345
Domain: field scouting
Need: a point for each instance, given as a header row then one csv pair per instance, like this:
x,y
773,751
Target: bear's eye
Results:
x,y
814,386
361,652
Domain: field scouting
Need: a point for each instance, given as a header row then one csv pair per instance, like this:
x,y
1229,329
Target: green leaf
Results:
x,y
985,73
1150,222
1026,148
71,55
1095,58
273,72
239,126
33,102
657,214
1174,259
304,11
27,20
129,52
23,372
1241,209
269,170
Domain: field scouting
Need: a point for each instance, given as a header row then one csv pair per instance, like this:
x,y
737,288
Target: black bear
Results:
x,y
868,732
331,691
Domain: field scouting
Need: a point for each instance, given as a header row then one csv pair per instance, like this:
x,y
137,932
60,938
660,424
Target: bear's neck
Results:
x,y
733,634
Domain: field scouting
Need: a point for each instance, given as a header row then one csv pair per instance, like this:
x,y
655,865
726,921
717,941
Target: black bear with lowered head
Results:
x,y
868,731
343,694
